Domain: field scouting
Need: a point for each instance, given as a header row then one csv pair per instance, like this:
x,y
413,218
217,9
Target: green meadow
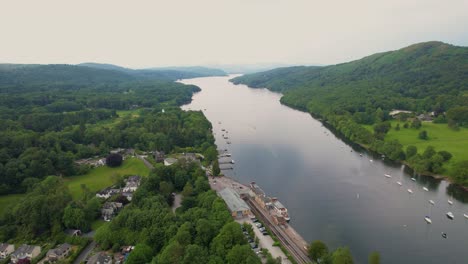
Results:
x,y
102,177
6,200
440,136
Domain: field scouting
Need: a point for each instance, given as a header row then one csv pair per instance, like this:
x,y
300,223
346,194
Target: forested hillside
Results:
x,y
169,73
51,115
425,78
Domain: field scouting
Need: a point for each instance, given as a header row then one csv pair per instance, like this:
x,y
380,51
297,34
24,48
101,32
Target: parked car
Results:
x,y
261,229
258,225
265,233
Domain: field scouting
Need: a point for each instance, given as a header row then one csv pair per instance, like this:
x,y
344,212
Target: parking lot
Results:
x,y
265,241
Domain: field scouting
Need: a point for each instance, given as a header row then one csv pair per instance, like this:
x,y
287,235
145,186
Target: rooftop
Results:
x,y
233,201
3,246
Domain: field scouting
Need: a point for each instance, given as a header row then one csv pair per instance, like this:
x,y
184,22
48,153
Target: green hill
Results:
x,y
425,77
420,77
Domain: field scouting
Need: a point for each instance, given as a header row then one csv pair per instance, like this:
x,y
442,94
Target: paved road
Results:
x,y
84,254
177,202
147,163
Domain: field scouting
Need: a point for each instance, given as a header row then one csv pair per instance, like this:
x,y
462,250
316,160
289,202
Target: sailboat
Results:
x,y
387,175
428,219
410,191
426,189
450,200
431,202
399,183
465,215
450,215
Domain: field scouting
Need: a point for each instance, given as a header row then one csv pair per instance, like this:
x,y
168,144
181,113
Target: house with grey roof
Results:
x,y
169,161
25,252
235,203
100,258
6,250
110,209
132,183
58,253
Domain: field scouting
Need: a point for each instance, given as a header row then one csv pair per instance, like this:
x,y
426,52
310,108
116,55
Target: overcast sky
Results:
x,y
197,32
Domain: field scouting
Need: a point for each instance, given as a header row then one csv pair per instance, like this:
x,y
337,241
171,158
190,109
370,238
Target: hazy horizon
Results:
x,y
211,32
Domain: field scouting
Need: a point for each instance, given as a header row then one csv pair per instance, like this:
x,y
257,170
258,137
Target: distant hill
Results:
x,y
58,74
167,73
199,70
421,77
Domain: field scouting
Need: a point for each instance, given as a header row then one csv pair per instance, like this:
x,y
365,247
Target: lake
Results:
x,y
332,192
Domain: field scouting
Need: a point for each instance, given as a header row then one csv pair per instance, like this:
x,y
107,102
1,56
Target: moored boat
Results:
x,y
450,215
426,189
428,219
410,191
387,175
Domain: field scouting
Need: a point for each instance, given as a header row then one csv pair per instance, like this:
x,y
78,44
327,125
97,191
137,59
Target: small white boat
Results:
x,y
465,215
371,160
431,202
428,219
410,191
450,202
360,155
232,162
388,175
426,189
399,183
413,179
450,215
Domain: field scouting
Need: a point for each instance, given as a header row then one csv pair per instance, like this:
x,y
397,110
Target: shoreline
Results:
x,y
354,144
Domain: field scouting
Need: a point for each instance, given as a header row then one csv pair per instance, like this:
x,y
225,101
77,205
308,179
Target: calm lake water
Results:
x,y
332,193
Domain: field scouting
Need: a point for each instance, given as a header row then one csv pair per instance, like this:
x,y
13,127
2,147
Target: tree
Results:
x,y
429,152
216,169
114,160
317,249
423,135
75,218
445,154
374,258
140,255
416,123
342,256
461,171
411,151
241,254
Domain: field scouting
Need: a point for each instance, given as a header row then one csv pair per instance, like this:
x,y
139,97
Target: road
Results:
x,y
177,202
147,163
84,254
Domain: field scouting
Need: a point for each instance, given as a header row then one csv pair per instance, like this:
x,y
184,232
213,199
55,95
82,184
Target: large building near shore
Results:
x,y
235,204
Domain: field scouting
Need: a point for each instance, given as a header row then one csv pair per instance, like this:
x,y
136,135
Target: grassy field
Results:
x,y
440,136
102,177
135,113
6,200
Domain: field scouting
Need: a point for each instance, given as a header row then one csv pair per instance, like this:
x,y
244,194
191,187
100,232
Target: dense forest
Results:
x,y
428,77
52,115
